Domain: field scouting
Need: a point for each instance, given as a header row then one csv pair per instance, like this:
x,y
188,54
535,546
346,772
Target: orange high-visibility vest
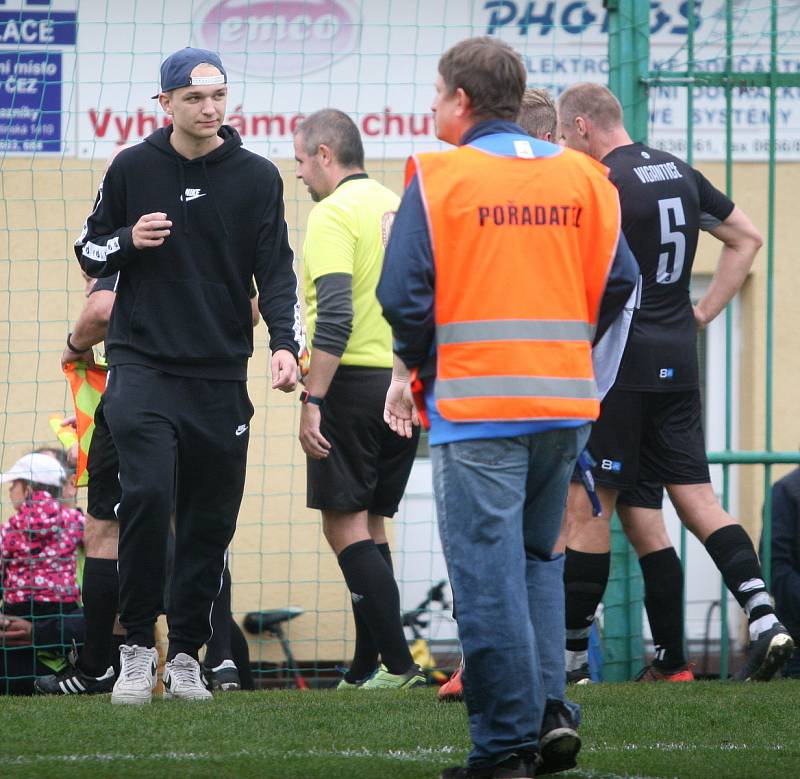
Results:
x,y
522,250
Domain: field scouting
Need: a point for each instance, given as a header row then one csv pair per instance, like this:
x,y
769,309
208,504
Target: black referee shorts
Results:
x,y
368,465
649,437
103,468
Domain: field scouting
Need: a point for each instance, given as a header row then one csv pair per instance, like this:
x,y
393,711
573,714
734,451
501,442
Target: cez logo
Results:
x,y
666,373
278,38
611,465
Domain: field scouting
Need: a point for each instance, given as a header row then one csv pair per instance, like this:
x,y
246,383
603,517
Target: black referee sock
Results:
x,y
734,555
663,592
365,656
376,600
585,579
241,656
100,593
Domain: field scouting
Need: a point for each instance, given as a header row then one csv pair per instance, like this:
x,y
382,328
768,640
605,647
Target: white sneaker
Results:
x,y
137,675
182,679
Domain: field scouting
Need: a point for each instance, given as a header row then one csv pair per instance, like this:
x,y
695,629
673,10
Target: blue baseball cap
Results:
x,y
176,70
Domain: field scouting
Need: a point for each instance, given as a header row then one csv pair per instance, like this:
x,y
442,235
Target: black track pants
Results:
x,y
182,444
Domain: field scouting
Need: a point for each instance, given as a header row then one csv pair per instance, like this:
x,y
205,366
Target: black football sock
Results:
x,y
734,555
663,600
241,656
365,656
376,599
116,642
100,594
218,647
585,579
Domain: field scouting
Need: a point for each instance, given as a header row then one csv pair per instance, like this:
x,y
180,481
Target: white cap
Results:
x,y
36,467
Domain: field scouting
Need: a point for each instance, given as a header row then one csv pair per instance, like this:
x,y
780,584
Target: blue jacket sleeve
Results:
x,y
406,287
620,283
785,562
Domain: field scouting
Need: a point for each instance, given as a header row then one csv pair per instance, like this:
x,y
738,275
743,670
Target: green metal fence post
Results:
x,y
629,60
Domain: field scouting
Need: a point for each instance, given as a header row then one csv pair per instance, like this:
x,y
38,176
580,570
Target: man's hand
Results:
x,y
151,230
15,631
399,411
284,371
68,356
313,442
700,318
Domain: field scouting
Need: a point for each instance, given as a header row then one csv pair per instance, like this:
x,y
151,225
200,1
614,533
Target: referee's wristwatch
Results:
x,y
306,397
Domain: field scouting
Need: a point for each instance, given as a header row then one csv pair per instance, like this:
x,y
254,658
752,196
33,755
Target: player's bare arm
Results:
x,y
741,242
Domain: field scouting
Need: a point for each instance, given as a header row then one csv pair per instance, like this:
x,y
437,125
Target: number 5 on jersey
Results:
x,y
665,274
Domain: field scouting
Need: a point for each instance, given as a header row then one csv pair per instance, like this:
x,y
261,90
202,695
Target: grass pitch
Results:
x,y
703,729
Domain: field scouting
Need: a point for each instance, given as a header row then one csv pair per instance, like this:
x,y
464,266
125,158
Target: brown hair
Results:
x,y
491,74
591,101
337,131
537,115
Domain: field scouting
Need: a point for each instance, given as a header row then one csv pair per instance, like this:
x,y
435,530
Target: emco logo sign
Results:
x,y
278,38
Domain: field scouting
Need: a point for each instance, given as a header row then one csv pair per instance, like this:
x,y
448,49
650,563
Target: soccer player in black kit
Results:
x,y
650,427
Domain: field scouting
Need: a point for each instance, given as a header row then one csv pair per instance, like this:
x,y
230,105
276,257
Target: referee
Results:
x,y
357,467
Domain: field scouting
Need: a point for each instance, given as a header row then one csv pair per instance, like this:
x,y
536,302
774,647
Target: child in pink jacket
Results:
x,y
41,614
40,542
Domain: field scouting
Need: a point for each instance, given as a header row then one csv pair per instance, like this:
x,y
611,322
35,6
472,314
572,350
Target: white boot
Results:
x,y
182,679
137,675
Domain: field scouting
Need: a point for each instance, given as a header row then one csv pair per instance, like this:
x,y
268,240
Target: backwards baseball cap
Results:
x,y
36,467
176,70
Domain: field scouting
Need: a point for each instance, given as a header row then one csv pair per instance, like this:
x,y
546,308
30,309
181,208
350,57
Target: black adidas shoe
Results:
x,y
767,654
559,742
223,678
73,681
580,675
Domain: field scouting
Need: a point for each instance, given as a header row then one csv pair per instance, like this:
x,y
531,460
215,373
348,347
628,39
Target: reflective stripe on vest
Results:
x,y
513,330
515,387
522,249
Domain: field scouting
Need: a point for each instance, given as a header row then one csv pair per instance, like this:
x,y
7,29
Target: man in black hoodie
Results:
x,y
187,217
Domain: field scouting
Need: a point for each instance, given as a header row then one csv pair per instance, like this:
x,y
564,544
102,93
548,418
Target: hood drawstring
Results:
x,y
182,196
214,199
160,140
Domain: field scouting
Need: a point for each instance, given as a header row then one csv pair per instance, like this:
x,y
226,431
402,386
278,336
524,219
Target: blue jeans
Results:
x,y
500,503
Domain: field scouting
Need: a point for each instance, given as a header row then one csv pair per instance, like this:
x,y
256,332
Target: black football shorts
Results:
x,y
649,438
103,467
368,465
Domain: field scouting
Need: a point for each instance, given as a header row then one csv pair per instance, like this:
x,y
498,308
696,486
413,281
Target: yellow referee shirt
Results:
x,y
346,235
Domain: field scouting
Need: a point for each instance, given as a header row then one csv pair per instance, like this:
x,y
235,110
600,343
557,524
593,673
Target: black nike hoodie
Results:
x,y
183,307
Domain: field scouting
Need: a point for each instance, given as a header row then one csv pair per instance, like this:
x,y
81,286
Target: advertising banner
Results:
x,y
30,101
377,61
